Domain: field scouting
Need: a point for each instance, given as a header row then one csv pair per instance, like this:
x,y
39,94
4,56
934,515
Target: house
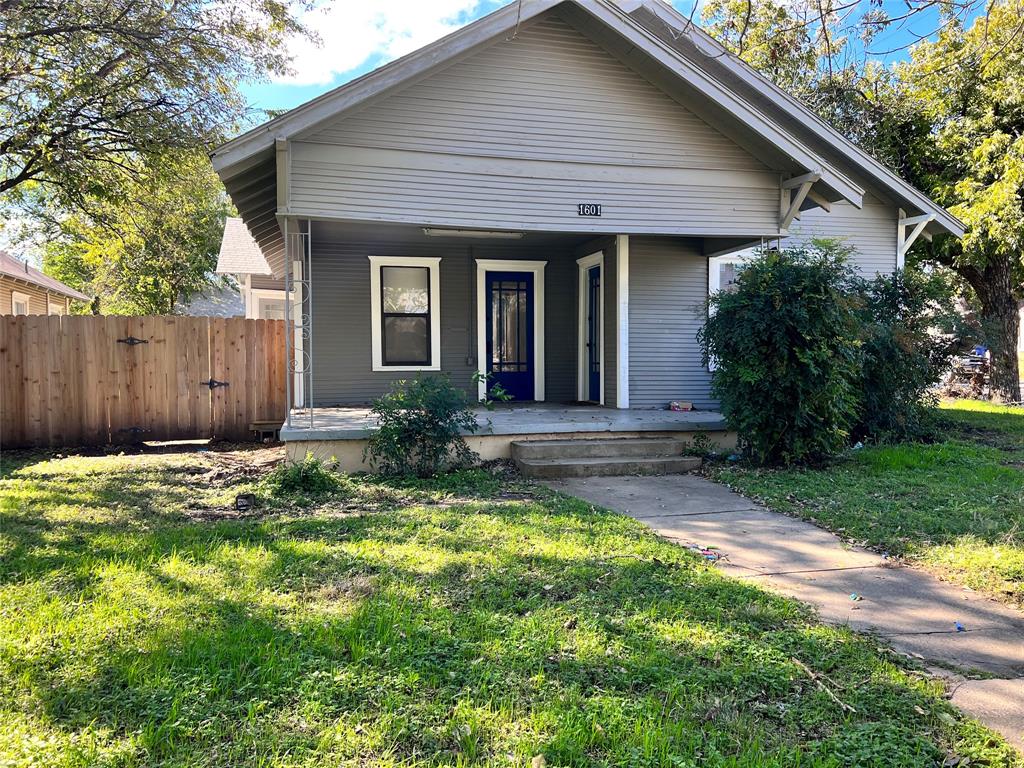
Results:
x,y
221,298
537,196
24,290
240,258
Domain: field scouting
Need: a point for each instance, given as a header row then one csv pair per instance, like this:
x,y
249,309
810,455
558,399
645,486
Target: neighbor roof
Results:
x,y
16,269
239,253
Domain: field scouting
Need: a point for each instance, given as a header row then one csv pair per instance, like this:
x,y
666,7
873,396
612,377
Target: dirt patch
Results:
x,y
231,467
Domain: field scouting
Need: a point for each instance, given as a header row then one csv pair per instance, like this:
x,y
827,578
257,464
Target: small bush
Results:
x,y
420,428
306,479
785,346
910,331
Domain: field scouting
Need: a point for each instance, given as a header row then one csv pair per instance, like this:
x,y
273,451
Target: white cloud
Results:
x,y
352,31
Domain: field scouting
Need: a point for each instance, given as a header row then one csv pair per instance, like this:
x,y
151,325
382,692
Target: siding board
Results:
x,y
341,318
871,232
668,282
516,134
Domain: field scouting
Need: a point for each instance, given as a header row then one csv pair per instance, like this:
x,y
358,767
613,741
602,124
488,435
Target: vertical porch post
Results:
x,y
298,313
622,320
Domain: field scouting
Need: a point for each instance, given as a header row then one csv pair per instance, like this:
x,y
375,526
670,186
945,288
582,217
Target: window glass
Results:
x,y
19,305
405,289
405,315
406,340
727,277
271,309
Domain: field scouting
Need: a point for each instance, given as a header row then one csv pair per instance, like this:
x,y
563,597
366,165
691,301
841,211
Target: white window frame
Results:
x,y
585,265
483,266
433,265
24,298
255,295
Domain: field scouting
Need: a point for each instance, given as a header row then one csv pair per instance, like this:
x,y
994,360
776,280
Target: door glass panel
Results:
x,y
509,336
406,289
406,340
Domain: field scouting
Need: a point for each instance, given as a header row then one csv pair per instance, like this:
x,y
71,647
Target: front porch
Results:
x,y
340,434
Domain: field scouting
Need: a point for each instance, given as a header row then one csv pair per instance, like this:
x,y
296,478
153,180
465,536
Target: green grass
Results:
x,y
462,621
955,506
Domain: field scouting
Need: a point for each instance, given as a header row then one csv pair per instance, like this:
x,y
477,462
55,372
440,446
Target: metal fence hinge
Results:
x,y
131,341
213,383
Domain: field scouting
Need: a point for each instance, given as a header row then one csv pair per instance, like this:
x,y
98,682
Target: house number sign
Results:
x,y
588,209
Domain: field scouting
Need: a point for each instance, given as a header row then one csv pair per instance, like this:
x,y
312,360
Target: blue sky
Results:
x,y
357,36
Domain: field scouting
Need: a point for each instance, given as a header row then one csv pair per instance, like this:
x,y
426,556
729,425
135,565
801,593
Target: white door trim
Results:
x,y
483,266
582,374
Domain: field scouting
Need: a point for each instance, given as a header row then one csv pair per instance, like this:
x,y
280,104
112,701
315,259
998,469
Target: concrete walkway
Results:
x,y
913,611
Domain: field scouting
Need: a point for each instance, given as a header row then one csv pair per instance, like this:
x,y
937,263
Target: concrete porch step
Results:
x,y
622,447
606,466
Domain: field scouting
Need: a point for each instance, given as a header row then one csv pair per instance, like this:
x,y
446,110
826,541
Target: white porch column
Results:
x,y
622,319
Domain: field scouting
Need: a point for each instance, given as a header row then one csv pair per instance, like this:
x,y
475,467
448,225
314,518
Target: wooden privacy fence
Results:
x,y
86,380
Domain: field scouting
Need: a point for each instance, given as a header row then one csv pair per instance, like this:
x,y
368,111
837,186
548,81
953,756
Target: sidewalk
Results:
x,y
913,611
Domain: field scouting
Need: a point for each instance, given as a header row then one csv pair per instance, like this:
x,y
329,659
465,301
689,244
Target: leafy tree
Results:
x,y
91,90
950,121
148,247
969,83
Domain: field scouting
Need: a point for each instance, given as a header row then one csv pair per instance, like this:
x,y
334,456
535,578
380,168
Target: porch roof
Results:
x,y
358,423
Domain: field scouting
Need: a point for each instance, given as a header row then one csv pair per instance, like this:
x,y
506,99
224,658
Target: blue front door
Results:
x,y
594,334
510,332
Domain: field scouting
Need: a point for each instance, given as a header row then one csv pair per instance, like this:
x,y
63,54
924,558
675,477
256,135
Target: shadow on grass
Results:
x,y
461,635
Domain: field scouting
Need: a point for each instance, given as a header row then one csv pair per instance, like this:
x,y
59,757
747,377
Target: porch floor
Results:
x,y
539,418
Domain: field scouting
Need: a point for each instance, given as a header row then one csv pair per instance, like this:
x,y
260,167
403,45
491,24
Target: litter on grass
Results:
x,y
708,553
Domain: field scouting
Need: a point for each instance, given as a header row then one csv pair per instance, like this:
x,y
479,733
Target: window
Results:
x,y
55,308
405,314
19,303
271,309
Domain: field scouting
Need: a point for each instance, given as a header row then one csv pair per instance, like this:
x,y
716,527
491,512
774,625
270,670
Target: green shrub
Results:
x,y
786,352
420,428
910,331
306,479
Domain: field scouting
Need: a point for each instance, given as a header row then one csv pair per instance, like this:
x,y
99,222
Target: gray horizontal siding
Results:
x,y
549,94
341,348
870,231
515,135
667,290
266,282
405,186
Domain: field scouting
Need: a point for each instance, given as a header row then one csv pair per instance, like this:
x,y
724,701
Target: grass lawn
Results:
x,y
469,621
955,507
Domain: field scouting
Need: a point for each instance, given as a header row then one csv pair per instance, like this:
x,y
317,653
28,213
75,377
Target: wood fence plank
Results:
x,y
68,381
120,370
11,388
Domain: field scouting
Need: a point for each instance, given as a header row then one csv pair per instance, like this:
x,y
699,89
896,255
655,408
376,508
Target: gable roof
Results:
x,y
16,269
239,253
242,150
645,31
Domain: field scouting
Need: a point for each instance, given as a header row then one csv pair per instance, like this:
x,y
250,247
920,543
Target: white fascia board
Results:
x,y
823,130
362,88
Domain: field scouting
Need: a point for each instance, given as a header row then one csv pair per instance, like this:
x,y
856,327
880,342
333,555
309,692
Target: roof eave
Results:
x,y
312,112
908,194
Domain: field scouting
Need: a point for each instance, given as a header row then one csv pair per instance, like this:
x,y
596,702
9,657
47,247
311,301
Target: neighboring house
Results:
x,y
24,290
223,298
262,293
537,196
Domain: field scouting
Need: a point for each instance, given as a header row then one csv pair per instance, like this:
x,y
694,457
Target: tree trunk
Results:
x,y
1000,323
